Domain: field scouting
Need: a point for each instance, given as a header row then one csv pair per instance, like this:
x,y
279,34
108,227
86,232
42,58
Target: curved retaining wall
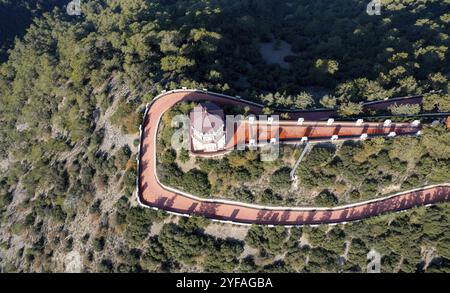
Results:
x,y
152,193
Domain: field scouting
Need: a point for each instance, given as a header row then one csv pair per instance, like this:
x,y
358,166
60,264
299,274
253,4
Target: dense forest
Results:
x,y
72,93
16,17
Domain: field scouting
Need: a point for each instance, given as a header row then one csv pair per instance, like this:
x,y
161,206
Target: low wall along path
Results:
x,y
152,193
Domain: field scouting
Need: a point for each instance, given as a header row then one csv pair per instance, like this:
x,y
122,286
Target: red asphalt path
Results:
x,y
152,193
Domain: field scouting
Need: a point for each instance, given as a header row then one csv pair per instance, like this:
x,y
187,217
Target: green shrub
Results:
x,y
269,197
98,243
281,178
196,182
105,266
326,198
184,155
270,240
139,221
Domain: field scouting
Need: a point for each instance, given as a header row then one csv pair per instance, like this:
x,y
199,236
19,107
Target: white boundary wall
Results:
x,y
224,201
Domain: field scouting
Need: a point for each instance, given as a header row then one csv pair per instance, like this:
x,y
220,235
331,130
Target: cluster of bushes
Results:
x,y
136,219
281,178
127,117
365,168
194,181
324,249
269,241
185,243
311,171
326,198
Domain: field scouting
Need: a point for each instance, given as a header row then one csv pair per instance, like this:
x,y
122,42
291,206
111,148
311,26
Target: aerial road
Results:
x,y
152,193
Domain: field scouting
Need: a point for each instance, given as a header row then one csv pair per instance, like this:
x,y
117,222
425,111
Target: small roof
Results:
x,y
207,117
208,106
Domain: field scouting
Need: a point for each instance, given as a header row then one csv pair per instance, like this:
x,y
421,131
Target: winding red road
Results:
x,y
152,193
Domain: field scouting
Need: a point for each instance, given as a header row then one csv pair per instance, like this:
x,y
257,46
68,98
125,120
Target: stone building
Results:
x,y
207,128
